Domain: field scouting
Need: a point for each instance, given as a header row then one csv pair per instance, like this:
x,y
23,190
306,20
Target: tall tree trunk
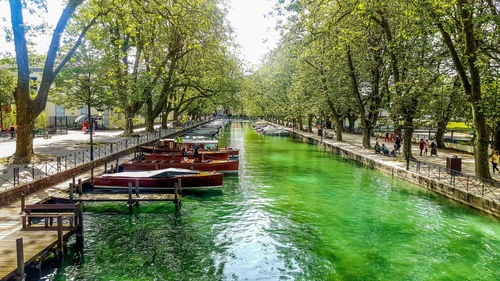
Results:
x,y
176,116
309,123
367,132
150,118
397,127
24,143
439,136
301,124
352,121
164,121
338,127
408,133
129,123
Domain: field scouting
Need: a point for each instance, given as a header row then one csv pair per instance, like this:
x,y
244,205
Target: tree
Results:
x,y
83,82
27,108
462,24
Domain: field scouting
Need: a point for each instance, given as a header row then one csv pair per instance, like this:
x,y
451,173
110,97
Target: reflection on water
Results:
x,y
293,212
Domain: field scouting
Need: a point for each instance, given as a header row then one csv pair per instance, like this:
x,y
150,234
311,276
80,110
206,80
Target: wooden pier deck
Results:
x,y
35,244
116,197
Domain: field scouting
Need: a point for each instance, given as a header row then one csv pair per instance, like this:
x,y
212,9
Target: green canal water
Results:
x,y
294,212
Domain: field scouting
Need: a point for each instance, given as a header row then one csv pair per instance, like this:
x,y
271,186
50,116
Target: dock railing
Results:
x,y
15,176
457,179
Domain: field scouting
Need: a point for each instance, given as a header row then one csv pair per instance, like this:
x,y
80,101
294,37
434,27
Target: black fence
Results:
x,y
15,176
457,179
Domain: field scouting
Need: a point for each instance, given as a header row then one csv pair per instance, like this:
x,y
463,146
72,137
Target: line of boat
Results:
x,y
197,161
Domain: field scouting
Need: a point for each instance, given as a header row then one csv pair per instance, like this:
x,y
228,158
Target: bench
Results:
x,y
48,212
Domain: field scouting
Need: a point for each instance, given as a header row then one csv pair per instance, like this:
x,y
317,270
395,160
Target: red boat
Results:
x,y
159,179
170,145
225,166
205,155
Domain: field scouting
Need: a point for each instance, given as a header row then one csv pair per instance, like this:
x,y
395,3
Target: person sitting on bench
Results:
x,y
385,150
378,148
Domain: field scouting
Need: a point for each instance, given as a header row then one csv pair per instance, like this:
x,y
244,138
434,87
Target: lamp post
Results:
x,y
91,125
405,128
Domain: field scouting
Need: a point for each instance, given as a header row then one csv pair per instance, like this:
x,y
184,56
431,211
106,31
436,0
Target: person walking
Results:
x,y
495,160
12,131
386,137
426,147
421,146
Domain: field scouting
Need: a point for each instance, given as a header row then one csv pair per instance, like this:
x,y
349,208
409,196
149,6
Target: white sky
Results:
x,y
254,31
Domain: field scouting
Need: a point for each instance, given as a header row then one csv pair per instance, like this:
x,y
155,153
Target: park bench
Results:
x,y
47,213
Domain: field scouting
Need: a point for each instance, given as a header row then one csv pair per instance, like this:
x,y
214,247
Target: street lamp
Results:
x,y
91,125
405,128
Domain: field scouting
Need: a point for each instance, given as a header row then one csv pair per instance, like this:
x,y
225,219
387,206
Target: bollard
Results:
x,y
20,258
116,168
80,187
111,170
179,184
176,196
130,197
23,202
137,187
105,167
79,224
59,236
71,187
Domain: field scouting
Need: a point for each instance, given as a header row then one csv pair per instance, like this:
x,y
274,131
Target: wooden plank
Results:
x,y
34,243
123,197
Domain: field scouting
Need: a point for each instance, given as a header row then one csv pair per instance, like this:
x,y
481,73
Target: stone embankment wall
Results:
x,y
485,205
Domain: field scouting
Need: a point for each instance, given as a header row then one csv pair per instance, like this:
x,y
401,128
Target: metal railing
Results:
x,y
457,179
17,175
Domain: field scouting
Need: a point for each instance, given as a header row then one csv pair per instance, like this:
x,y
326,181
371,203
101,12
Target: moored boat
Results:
x,y
206,155
159,179
224,166
170,145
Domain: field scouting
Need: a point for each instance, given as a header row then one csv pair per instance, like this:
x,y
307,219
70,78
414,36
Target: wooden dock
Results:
x,y
39,237
76,194
118,197
43,231
35,245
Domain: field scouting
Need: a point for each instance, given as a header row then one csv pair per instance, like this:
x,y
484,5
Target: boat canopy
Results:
x,y
163,173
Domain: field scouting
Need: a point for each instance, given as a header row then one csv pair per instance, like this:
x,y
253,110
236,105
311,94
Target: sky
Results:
x,y
254,31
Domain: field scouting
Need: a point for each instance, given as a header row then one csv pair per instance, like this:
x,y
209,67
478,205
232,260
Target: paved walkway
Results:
x,y
63,144
357,142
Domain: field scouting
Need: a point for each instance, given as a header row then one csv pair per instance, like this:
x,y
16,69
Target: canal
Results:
x,y
294,212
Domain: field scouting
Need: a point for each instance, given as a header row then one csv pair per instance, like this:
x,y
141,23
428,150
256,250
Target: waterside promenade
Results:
x,y
465,189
